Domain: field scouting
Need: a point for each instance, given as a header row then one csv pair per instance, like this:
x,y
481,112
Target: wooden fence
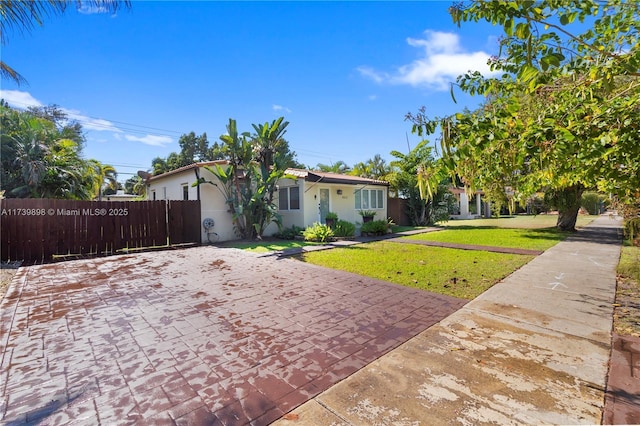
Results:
x,y
38,230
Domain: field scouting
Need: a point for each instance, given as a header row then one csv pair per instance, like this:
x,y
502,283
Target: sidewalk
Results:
x,y
533,349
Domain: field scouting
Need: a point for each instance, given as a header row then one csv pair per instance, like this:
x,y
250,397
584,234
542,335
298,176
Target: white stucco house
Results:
x,y
303,197
470,205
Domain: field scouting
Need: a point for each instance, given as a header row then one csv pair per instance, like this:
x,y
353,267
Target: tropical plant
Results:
x,y
318,232
256,164
290,233
332,216
344,229
41,158
338,167
376,227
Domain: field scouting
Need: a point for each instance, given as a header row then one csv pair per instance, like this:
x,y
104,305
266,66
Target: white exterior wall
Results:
x,y
343,204
212,201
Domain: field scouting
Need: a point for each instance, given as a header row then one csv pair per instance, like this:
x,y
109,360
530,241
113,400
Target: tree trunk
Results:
x,y
568,207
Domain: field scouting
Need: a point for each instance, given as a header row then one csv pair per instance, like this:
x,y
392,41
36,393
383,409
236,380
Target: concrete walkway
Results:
x,y
533,349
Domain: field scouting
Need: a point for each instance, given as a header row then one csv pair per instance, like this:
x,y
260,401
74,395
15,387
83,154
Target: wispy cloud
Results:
x,y
441,60
153,140
24,100
280,108
19,99
87,9
372,97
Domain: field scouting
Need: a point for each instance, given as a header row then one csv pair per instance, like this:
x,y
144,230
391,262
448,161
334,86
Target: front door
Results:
x,y
324,204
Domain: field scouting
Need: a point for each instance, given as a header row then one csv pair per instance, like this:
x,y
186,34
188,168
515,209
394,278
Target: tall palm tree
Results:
x,y
103,176
24,16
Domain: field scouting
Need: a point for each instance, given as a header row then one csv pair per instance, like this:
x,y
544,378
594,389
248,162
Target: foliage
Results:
x,y
376,227
629,266
290,233
562,115
344,229
318,232
459,273
332,216
632,229
418,179
24,16
338,167
374,168
592,202
135,185
41,157
367,213
256,163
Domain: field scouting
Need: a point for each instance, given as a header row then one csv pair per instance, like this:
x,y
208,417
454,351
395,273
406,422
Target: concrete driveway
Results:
x,y
194,336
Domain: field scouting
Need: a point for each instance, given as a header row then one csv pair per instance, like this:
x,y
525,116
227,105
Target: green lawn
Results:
x,y
534,239
520,221
268,245
459,273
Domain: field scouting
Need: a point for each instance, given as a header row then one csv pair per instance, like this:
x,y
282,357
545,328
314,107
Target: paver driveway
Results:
x,y
194,336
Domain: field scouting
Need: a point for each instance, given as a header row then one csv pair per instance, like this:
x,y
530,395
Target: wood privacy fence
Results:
x,y
34,230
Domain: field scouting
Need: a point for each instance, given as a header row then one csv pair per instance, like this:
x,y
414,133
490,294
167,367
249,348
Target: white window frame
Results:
x,y
364,200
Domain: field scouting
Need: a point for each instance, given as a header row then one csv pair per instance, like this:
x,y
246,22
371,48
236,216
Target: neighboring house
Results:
x,y
467,211
304,197
120,196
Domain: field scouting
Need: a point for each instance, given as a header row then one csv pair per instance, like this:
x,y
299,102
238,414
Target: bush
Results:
x,y
290,233
591,202
342,228
377,227
632,230
317,232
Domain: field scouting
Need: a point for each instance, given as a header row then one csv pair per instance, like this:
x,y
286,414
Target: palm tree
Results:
x,y
24,16
103,176
338,167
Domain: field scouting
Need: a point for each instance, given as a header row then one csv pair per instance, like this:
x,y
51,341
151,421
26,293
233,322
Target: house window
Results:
x,y
369,199
289,198
185,192
153,195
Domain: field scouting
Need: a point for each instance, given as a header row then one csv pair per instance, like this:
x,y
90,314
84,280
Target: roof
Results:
x,y
308,175
189,167
314,176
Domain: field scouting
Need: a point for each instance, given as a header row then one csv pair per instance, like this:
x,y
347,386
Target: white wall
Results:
x,y
212,201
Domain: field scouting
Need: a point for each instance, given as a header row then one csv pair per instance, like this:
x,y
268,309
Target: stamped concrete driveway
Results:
x,y
194,336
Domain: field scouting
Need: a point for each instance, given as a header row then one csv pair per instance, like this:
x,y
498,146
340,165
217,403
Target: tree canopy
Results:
x,y
562,116
41,157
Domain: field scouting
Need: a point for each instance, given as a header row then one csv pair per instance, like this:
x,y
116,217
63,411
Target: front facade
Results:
x,y
303,197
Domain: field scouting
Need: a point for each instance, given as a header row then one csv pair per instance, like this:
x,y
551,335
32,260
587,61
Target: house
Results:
x,y
120,195
466,210
307,196
303,197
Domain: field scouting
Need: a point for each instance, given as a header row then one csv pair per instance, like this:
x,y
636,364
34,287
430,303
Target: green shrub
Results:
x,y
290,233
342,228
377,227
632,229
591,202
317,232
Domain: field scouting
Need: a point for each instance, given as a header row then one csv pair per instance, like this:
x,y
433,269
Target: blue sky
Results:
x,y
344,74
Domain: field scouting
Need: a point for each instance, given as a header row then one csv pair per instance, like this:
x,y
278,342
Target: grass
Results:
x,y
626,318
460,273
520,221
266,246
534,239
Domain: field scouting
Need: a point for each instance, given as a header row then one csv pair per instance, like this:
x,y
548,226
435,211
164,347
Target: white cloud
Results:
x,y
152,140
442,59
19,99
86,9
280,108
90,123
372,97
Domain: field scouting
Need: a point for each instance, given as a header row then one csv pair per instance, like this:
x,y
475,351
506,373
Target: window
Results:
x,y
153,195
369,199
185,192
289,198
